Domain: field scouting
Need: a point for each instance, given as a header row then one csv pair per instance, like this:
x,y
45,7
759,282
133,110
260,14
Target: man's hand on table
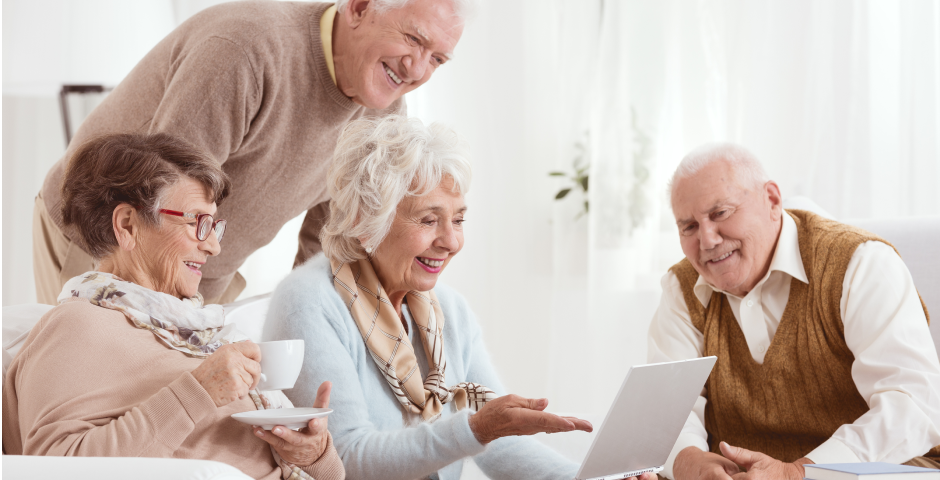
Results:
x,y
307,445
762,467
694,464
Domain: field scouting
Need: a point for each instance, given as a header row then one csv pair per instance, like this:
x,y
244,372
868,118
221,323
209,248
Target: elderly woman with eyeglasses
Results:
x,y
131,363
404,351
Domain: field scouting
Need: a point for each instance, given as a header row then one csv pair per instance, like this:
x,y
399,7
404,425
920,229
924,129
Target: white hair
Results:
x,y
747,168
462,8
376,164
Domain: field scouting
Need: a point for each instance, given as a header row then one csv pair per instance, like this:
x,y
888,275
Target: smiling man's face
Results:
x,y
728,228
393,52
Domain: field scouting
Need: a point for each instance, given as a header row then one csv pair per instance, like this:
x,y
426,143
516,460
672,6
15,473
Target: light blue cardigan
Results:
x,y
368,423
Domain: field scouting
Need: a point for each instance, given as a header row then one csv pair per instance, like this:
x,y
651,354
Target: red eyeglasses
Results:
x,y
204,224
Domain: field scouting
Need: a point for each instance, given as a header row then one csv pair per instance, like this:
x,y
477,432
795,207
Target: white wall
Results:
x,y
32,142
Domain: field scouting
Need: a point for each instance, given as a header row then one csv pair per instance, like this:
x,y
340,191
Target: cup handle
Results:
x,y
264,378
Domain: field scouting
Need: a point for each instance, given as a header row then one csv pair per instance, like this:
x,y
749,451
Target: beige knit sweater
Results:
x,y
87,383
247,82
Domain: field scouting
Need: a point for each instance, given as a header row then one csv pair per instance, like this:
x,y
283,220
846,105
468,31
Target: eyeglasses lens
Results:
x,y
219,230
205,224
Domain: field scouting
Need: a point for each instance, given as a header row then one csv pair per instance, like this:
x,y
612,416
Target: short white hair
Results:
x,y
462,8
376,164
747,168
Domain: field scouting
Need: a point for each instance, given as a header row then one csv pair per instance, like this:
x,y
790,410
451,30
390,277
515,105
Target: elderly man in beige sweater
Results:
x,y
265,88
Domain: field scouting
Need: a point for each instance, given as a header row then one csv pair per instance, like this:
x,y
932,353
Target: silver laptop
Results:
x,y
645,419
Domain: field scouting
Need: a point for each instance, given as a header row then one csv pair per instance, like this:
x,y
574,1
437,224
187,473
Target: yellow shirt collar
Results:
x,y
326,37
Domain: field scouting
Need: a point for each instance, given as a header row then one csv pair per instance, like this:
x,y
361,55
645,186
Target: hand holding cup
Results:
x,y
230,372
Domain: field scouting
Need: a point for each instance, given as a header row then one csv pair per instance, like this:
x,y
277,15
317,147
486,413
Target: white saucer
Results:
x,y
292,418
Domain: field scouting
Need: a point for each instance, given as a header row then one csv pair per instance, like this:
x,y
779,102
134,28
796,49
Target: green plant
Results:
x,y
579,179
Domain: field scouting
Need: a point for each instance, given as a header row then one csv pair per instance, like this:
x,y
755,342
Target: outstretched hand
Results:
x,y
307,445
763,467
514,415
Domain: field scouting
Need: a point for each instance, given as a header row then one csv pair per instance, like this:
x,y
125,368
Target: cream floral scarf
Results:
x,y
387,341
185,325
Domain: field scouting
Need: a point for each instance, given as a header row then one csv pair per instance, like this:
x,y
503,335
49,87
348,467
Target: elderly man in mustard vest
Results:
x,y
824,352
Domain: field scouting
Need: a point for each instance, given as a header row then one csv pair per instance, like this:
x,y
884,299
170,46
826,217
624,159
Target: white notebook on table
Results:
x,y
868,471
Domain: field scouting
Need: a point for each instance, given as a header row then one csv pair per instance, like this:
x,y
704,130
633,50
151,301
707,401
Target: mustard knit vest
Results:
x,y
804,391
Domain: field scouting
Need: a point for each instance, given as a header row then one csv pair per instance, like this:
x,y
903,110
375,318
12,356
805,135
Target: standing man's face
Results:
x,y
394,52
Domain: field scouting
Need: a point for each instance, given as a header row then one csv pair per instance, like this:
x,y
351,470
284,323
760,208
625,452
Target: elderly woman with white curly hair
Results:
x,y
404,352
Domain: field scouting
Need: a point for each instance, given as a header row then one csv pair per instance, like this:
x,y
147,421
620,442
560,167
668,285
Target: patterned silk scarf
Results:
x,y
184,325
387,341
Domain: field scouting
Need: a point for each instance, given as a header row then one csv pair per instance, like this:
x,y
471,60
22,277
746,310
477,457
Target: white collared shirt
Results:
x,y
896,369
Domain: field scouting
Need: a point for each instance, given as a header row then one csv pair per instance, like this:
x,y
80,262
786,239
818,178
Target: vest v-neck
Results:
x,y
775,352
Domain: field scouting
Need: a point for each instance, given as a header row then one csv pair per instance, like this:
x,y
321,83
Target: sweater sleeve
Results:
x,y
299,310
329,466
309,237
69,391
210,97
509,457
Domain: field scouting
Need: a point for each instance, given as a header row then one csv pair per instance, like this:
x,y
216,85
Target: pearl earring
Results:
x,y
369,250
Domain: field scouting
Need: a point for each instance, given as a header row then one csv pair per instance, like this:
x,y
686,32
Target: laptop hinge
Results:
x,y
621,476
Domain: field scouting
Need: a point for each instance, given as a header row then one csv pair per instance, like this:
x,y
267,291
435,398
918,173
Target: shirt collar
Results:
x,y
787,259
326,37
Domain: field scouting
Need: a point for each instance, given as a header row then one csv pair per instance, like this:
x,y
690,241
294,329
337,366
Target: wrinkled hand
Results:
x,y
763,467
514,415
230,372
306,445
694,464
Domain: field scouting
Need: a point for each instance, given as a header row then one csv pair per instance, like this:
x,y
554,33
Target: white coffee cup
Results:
x,y
281,361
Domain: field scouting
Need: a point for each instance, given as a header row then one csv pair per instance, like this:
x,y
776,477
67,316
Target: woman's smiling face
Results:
x,y
426,233
171,256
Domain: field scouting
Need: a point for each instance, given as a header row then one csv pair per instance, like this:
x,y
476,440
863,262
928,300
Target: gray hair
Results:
x,y
462,8
748,169
376,164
